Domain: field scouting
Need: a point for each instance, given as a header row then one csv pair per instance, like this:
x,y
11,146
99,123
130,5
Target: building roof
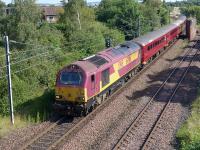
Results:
x,y
51,11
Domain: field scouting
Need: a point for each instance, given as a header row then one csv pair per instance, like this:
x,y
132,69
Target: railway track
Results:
x,y
56,133
164,94
51,134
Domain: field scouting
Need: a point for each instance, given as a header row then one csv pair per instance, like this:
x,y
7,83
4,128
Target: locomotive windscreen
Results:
x,y
71,78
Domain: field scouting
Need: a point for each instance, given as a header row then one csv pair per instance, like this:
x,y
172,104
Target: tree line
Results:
x,y
40,49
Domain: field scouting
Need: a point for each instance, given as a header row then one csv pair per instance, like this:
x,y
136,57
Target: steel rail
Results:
x,y
148,139
42,133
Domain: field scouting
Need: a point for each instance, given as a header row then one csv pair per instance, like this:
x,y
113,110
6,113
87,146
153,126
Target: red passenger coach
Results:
x,y
155,41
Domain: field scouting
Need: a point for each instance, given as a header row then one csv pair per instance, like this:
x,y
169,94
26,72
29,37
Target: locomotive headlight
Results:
x,y
82,98
58,96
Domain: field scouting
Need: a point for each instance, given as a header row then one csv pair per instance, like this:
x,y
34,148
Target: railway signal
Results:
x,y
108,42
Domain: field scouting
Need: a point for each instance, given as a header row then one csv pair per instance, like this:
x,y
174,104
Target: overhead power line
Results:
x,y
42,46
32,66
29,58
32,57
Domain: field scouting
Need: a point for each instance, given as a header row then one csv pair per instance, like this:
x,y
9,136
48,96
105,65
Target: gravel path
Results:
x,y
107,127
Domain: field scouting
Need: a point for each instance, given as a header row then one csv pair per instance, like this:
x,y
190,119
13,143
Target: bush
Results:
x,y
189,133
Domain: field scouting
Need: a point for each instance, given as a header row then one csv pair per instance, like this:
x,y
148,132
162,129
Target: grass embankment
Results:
x,y
189,133
6,127
33,102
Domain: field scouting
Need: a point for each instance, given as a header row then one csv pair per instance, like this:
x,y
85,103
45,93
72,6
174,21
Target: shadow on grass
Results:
x,y
37,109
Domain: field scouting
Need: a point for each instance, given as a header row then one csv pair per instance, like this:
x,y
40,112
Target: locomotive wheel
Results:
x,y
91,109
99,100
84,112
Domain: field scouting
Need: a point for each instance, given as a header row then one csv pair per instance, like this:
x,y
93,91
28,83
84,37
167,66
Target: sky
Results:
x,y
58,1
47,1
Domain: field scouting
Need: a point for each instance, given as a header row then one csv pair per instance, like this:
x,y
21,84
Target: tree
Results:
x,y
122,14
72,12
132,17
2,4
2,17
192,11
25,19
153,3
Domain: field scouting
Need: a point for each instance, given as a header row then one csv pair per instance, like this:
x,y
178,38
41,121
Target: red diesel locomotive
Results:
x,y
84,84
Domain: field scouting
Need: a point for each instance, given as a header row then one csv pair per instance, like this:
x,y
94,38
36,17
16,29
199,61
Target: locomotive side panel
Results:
x,y
115,72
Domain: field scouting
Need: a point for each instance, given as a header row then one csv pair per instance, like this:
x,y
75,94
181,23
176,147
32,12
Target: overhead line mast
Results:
x,y
10,96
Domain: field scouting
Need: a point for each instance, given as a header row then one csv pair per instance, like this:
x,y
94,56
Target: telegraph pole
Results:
x,y
10,97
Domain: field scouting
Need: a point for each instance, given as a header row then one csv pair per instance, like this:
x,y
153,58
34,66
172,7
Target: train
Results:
x,y
86,83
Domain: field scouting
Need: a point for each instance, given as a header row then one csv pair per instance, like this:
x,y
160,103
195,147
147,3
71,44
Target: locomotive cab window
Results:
x,y
105,78
71,78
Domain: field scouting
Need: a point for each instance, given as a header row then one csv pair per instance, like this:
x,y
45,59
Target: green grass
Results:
x,y
189,133
6,127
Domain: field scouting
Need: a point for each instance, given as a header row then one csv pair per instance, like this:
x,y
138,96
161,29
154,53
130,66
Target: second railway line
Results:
x,y
140,133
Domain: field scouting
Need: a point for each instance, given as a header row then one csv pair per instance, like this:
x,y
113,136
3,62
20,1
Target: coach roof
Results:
x,y
151,36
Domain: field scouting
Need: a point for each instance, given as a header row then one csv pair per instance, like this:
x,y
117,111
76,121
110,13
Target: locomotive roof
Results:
x,y
86,66
92,63
151,36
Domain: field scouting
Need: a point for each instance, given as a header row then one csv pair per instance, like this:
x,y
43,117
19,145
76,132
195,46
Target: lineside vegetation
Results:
x,y
189,133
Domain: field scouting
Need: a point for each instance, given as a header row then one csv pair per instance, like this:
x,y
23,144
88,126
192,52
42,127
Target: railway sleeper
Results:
x,y
36,147
44,142
48,139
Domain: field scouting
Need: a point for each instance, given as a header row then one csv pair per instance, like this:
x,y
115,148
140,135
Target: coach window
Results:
x,y
105,78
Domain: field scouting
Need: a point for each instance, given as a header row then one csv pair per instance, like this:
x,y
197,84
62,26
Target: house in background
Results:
x,y
8,10
51,13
